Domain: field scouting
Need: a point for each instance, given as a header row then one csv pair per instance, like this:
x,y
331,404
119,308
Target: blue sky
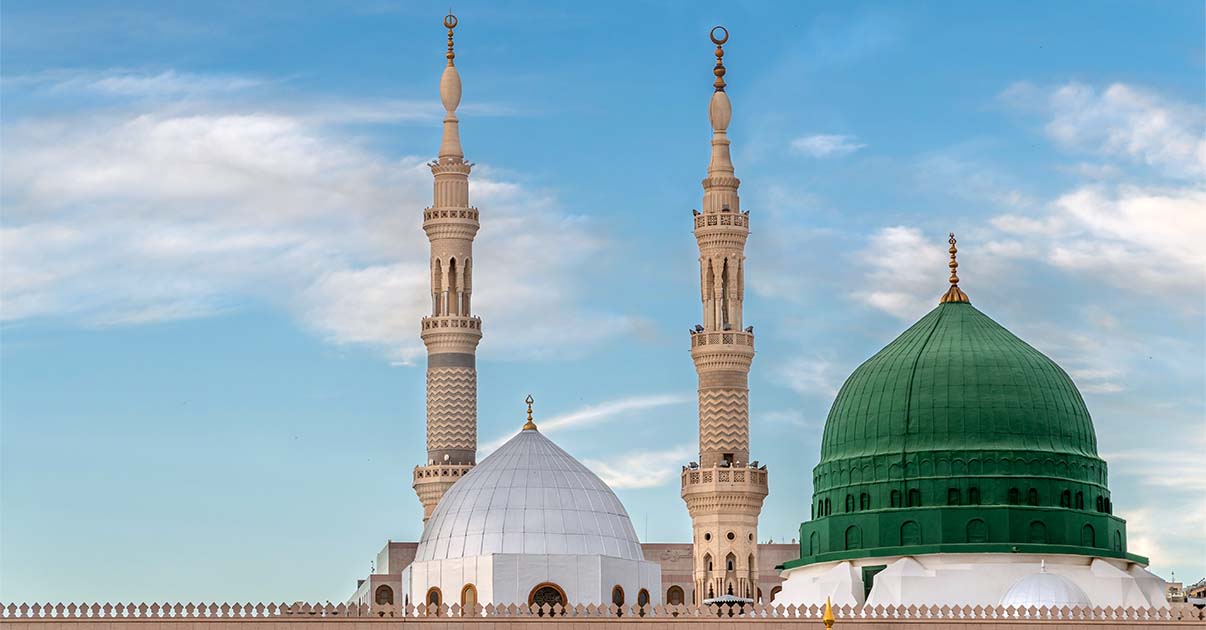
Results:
x,y
212,267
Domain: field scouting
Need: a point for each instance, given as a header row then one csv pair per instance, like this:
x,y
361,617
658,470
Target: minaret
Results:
x,y
451,332
724,493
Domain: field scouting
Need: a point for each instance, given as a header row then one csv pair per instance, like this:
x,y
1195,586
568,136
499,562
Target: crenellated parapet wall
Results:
x,y
322,616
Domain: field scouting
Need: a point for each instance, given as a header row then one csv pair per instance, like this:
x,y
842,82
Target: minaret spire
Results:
x,y
451,332
954,294
450,95
529,425
724,493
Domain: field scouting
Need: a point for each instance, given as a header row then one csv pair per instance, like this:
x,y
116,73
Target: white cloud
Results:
x,y
826,145
641,469
904,269
809,376
170,212
1123,121
593,414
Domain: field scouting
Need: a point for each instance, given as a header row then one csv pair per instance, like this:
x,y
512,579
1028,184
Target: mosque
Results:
x,y
958,465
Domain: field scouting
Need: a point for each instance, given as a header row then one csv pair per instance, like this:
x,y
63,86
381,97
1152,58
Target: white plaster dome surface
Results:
x,y
1044,589
529,497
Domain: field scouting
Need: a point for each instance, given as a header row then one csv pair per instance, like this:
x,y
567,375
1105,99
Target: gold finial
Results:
x,y
450,23
529,425
954,294
828,617
719,69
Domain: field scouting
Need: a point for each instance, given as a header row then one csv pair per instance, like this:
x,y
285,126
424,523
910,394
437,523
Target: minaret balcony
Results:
x,y
432,214
722,338
720,487
452,321
716,219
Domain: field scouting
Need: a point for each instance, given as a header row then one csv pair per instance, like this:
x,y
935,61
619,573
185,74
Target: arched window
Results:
x,y
384,595
854,537
468,597
1014,496
952,496
774,592
1038,532
1117,540
759,596
814,544
1080,500
434,598
708,561
547,593
643,600
914,497
895,498
910,533
1109,507
977,531
1100,504
730,562
675,595
1088,536
617,597
1032,497
437,283
850,503
864,501
828,508
973,496
1065,499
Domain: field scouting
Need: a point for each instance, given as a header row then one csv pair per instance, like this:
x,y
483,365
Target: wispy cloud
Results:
x,y
593,414
641,469
826,145
131,83
901,265
1121,120
158,212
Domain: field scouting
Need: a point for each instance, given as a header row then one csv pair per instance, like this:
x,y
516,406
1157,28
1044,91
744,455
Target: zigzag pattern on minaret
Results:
x,y
451,398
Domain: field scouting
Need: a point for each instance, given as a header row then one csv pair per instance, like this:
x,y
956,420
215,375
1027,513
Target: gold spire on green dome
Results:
x,y
954,294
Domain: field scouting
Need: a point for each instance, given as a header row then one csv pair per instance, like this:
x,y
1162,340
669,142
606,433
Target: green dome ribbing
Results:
x,y
956,380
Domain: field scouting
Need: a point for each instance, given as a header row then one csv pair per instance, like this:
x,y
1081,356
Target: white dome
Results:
x,y
1044,589
529,497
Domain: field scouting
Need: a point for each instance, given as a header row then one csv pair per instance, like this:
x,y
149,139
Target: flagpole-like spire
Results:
x,y
450,95
954,294
529,425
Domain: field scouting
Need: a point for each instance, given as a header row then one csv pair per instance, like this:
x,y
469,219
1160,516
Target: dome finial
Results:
x,y
529,425
827,618
719,41
954,294
450,23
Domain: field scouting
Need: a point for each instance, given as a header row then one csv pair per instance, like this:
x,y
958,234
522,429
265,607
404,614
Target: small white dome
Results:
x,y
1044,589
529,497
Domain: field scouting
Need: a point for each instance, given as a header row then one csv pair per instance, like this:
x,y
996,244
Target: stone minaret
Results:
x,y
451,332
724,493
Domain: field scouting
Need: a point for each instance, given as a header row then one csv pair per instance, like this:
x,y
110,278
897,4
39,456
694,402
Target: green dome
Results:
x,y
956,380
959,437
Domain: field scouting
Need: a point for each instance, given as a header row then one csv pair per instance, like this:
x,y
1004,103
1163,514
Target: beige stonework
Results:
x,y
724,492
451,333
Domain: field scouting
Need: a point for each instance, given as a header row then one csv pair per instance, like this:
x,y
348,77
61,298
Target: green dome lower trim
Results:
x,y
882,552
962,529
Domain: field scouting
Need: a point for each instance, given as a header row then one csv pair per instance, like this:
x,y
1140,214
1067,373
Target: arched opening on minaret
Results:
x,y
467,288
724,295
710,297
437,287
454,305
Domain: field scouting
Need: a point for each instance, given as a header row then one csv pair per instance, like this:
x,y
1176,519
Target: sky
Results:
x,y
212,268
